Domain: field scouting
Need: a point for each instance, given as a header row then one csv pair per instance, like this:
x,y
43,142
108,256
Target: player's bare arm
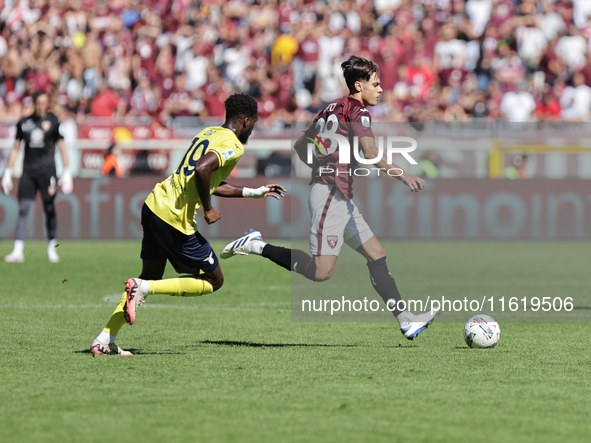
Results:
x,y
65,180
269,190
203,169
370,150
62,145
7,177
13,154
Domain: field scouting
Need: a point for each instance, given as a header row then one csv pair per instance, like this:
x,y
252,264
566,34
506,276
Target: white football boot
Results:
x,y
241,246
15,257
52,254
134,299
100,348
412,325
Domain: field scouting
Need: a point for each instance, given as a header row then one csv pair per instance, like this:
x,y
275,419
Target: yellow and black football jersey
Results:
x,y
175,200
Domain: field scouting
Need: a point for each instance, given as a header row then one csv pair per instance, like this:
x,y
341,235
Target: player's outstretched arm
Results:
x,y
370,150
203,170
268,190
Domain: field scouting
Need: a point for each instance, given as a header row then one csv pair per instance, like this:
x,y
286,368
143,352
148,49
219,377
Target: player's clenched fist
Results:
x,y
212,216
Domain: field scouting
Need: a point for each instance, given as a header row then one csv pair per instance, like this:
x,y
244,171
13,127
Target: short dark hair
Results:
x,y
358,69
240,105
38,94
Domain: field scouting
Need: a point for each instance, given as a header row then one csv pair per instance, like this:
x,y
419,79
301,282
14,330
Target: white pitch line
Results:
x,y
117,297
202,307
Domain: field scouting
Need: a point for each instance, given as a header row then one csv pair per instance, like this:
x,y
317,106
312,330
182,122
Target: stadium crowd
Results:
x,y
448,60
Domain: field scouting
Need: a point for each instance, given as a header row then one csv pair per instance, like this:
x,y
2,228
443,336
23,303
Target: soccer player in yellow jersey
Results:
x,y
168,219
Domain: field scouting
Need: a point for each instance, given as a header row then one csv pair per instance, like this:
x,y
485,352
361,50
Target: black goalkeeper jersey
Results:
x,y
40,136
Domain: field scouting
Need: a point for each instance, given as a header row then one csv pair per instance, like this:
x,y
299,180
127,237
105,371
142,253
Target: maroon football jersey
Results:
x,y
348,117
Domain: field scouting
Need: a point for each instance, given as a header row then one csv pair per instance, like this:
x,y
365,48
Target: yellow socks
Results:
x,y
117,319
181,287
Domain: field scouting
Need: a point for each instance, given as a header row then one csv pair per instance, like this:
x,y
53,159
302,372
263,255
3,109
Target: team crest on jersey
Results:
x,y
332,240
365,121
228,153
46,125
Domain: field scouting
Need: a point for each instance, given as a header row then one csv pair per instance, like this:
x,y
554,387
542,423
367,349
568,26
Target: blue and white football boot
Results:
x,y
412,325
241,246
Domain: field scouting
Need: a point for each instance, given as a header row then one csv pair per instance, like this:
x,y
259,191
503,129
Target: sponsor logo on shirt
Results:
x,y
228,153
365,121
46,125
177,186
363,110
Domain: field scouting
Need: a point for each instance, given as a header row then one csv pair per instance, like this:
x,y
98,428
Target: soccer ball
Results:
x,y
482,331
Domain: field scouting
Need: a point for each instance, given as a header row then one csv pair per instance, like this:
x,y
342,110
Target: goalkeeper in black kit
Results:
x,y
40,133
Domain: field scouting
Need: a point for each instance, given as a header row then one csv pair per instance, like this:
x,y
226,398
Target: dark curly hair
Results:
x,y
358,69
239,106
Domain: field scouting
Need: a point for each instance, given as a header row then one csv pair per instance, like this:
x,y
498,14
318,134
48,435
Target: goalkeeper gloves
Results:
x,y
66,182
7,181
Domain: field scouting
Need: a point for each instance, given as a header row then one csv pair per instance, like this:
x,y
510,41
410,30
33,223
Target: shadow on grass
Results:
x,y
271,345
136,352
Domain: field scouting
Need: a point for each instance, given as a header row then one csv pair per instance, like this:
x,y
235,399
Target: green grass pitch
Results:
x,y
233,367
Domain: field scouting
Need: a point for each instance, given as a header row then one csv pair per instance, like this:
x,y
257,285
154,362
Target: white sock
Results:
x,y
19,246
257,247
105,337
51,244
145,287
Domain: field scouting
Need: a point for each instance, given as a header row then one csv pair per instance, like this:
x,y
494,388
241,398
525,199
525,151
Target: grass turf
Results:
x,y
232,366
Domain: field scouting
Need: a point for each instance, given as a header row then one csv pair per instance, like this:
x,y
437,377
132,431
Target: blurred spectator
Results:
x,y
283,49
112,166
143,101
576,100
581,13
531,42
196,64
548,107
519,105
479,13
572,48
450,53
507,66
429,166
107,103
516,171
142,164
550,22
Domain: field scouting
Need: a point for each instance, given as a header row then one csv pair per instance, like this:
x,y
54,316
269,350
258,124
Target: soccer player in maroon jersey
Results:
x,y
335,217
